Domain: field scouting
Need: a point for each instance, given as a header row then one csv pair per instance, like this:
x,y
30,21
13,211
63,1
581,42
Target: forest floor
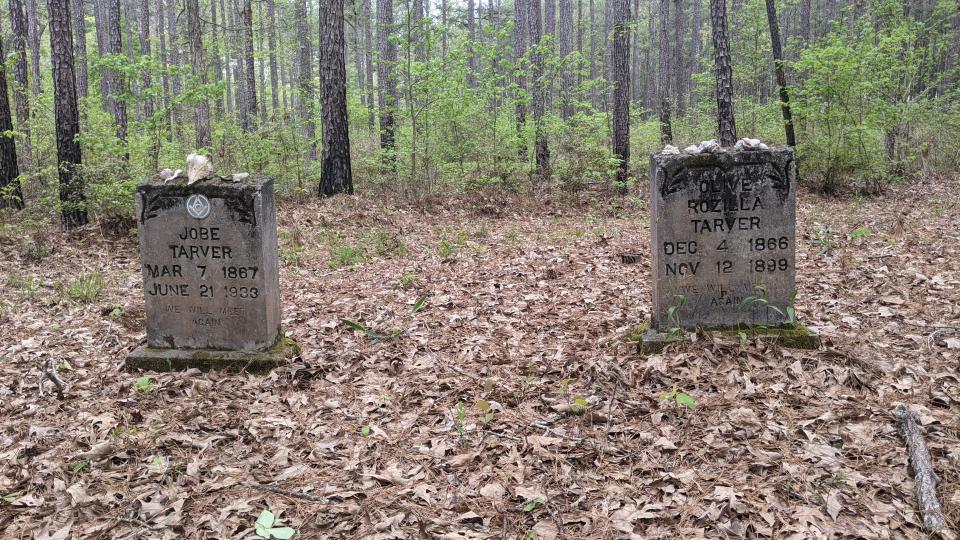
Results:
x,y
512,404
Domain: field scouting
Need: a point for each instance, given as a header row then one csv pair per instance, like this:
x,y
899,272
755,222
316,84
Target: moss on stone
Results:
x,y
794,336
153,359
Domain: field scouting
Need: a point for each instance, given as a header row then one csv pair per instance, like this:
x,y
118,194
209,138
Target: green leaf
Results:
x,y
365,431
483,405
579,404
283,533
532,505
265,520
686,400
360,327
422,301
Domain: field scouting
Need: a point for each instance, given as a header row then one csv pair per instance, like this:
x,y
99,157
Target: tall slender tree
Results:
x,y
80,46
114,42
663,74
472,37
541,149
249,110
781,77
18,20
519,51
621,90
10,194
336,175
33,33
305,77
696,48
260,61
566,49
201,110
73,212
368,61
726,123
387,85
215,64
680,71
272,46
164,77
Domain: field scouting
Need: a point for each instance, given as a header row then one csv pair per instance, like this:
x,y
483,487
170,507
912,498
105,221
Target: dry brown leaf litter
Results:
x,y
527,314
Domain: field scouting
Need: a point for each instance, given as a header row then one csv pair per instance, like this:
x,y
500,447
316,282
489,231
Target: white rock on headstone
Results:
x,y
709,146
670,150
199,167
692,149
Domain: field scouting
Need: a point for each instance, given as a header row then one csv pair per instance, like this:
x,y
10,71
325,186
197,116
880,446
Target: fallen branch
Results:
x,y
288,493
49,370
923,475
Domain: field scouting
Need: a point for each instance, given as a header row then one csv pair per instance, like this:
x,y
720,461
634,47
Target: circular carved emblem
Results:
x,y
198,206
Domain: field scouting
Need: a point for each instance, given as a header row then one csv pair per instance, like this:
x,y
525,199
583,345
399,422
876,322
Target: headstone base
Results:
x,y
154,359
792,337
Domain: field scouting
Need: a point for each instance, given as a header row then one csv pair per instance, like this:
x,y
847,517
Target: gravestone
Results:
x,y
723,242
210,275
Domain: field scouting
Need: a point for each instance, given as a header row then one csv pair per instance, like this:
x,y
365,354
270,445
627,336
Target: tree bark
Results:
x,y
73,212
335,171
282,67
566,49
103,49
636,93
650,81
593,53
368,61
249,117
443,22
696,48
781,77
164,77
579,36
305,77
680,70
726,123
387,85
227,72
128,17
114,42
174,45
621,90
541,148
272,45
10,194
80,46
519,51
261,70
663,72
201,110
215,63
145,74
18,20
472,38
33,33
805,21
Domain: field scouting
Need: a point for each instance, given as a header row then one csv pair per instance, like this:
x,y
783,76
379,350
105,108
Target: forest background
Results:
x,y
439,95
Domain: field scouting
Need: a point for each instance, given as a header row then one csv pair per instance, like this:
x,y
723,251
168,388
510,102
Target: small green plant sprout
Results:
x,y
419,304
673,315
357,326
534,504
789,313
446,249
85,287
408,279
860,232
486,410
269,526
81,465
365,430
681,398
143,384
10,498
822,237
579,404
460,413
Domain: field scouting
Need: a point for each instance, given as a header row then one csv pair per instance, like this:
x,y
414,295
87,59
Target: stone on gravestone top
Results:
x,y
210,269
723,238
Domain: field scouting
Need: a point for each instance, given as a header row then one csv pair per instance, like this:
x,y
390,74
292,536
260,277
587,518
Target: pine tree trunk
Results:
x,y
118,107
781,78
593,53
650,90
145,74
541,148
103,49
472,37
282,67
607,48
272,45
368,61
261,69
805,21
174,44
566,50
18,20
635,91
164,78
215,64
80,46
228,98
549,31
33,33
726,123
128,17
387,84
336,175
73,212
621,91
305,76
201,110
663,72
443,22
250,74
10,194
579,37
519,51
696,48
680,70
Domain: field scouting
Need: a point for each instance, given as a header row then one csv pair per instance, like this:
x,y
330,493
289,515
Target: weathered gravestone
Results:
x,y
723,244
210,275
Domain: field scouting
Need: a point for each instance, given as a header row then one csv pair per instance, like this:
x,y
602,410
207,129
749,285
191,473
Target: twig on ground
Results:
x,y
288,493
49,370
923,474
606,433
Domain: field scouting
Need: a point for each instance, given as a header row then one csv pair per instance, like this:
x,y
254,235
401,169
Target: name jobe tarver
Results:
x,y
209,265
722,236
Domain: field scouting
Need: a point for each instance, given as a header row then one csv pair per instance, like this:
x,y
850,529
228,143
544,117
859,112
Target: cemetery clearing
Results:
x,y
471,371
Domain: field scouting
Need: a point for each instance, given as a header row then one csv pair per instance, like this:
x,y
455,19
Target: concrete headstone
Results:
x,y
210,273
723,238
